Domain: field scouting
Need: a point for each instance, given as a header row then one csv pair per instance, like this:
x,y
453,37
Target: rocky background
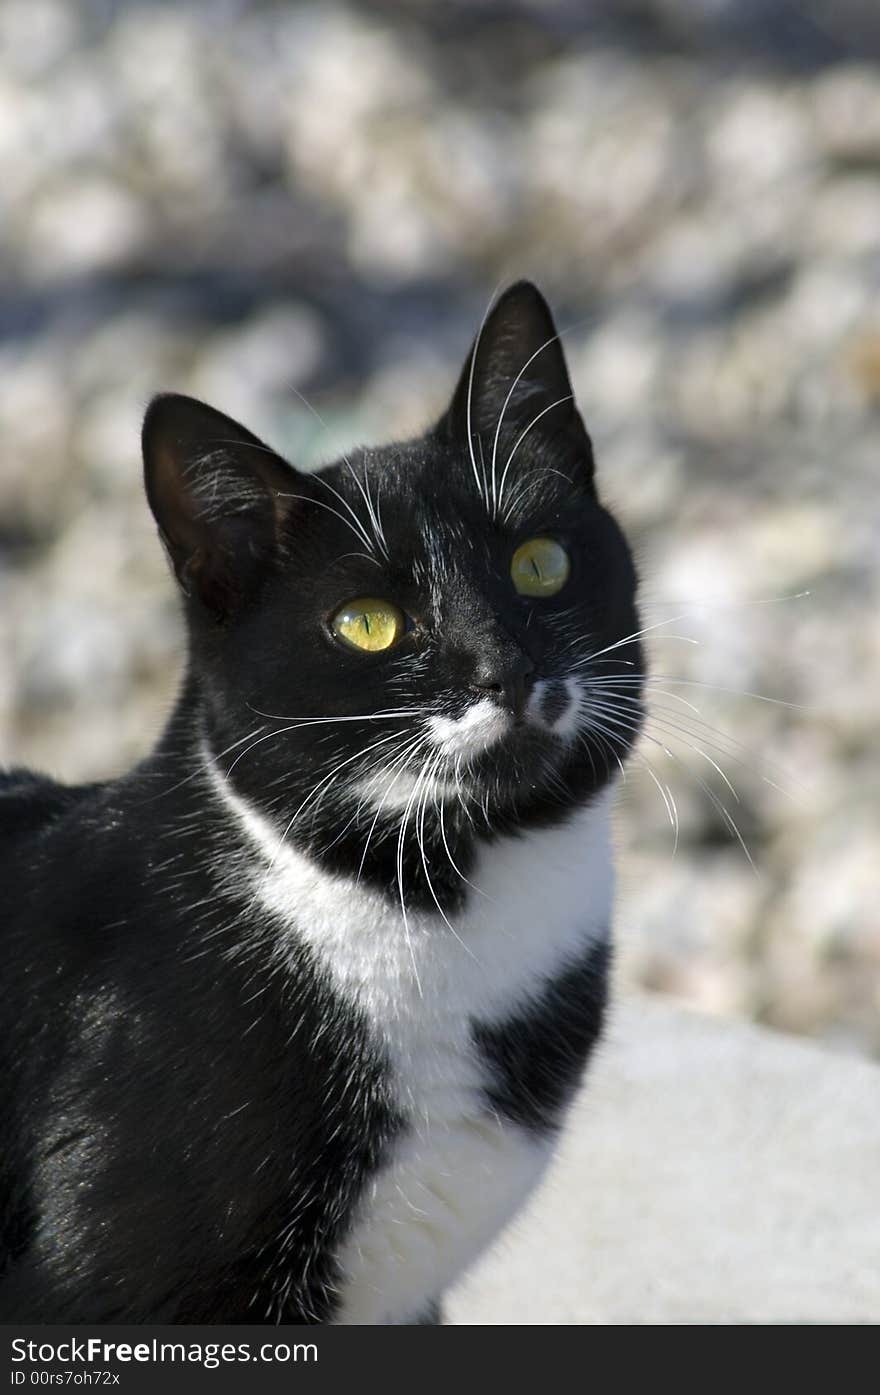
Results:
x,y
249,201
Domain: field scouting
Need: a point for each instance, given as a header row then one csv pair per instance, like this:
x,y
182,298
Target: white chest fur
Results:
x,y
459,1173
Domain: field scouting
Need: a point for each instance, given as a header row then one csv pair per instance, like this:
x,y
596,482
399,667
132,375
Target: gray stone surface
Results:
x,y
712,1173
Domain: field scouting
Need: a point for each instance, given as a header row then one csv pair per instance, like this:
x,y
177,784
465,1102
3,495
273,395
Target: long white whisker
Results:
x,y
377,765
483,470
379,532
569,397
496,500
452,862
400,844
354,717
328,779
614,681
432,768
737,692
525,490
666,795
281,731
398,765
196,773
319,503
620,722
373,516
364,535
671,727
674,721
650,603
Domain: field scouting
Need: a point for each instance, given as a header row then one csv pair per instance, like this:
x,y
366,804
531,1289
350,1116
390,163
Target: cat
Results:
x,y
291,1014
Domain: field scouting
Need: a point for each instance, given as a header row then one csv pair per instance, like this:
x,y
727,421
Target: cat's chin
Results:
x,y
527,756
528,761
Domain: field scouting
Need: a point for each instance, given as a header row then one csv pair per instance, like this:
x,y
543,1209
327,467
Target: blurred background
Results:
x,y
249,201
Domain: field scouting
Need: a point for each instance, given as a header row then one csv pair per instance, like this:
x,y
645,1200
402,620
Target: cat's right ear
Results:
x,y
515,383
219,496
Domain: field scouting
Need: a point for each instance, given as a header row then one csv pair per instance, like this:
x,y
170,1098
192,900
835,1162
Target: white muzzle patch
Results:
x,y
474,732
556,706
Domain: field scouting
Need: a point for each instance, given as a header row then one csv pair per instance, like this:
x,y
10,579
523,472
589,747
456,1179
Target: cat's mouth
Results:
x,y
484,741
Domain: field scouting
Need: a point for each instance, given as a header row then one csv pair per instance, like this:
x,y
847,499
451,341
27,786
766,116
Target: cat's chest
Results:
x,y
427,990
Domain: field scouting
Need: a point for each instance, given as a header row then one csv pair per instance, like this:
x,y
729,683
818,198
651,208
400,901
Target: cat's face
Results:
x,y
421,624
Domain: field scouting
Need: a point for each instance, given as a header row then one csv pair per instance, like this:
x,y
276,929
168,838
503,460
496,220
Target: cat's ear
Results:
x,y
219,496
515,375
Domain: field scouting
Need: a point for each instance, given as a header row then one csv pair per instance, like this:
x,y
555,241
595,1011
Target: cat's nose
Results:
x,y
506,679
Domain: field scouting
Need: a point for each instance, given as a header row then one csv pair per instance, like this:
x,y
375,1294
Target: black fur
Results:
x,y
186,1123
182,1141
539,1056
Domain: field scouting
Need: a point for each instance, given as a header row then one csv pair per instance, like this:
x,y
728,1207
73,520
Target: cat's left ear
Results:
x,y
219,496
515,375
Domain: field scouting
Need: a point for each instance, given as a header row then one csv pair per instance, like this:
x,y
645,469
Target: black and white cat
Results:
x,y
290,1015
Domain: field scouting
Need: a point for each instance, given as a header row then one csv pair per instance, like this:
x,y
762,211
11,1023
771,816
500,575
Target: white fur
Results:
x,y
534,706
481,725
459,1174
396,789
459,738
568,723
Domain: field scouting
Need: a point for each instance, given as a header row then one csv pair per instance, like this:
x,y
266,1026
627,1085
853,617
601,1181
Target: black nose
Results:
x,y
507,679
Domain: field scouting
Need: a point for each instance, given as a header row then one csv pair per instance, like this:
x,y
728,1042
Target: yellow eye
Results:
x,y
540,567
367,623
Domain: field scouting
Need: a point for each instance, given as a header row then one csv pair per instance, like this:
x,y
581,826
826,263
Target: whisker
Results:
x,y
569,397
355,717
497,499
612,681
196,773
359,526
329,778
453,864
458,791
672,727
647,604
432,767
399,761
378,764
663,789
319,503
675,721
374,518
525,490
616,720
400,844
737,692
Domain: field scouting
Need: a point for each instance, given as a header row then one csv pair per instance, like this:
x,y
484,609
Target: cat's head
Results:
x,y
419,623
